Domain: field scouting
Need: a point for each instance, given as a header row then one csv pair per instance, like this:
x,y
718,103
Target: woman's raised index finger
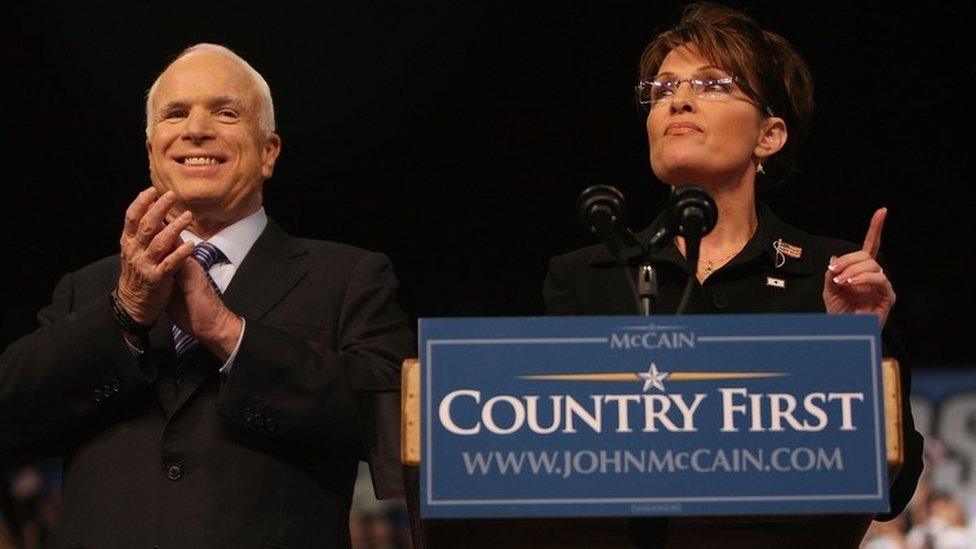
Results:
x,y
872,240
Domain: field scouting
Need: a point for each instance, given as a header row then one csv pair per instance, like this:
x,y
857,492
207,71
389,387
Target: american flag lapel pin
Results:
x,y
784,250
776,282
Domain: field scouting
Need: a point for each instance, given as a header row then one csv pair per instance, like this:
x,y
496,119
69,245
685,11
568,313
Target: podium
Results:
x,y
826,529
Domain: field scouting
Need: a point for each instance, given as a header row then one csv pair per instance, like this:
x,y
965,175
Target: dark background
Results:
x,y
455,136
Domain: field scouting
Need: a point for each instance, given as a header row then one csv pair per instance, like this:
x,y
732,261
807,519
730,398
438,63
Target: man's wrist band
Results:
x,y
124,320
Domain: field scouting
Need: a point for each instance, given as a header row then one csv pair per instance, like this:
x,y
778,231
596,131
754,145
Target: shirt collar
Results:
x,y
235,240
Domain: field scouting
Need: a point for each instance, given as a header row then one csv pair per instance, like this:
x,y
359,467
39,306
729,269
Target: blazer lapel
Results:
x,y
164,357
270,270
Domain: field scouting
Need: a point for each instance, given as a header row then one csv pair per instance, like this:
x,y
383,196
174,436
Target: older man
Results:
x,y
202,386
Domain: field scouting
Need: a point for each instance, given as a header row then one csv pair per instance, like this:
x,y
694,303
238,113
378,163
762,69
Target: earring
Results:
x,y
759,168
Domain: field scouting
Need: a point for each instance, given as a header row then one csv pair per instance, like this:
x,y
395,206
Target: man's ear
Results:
x,y
149,153
772,137
272,148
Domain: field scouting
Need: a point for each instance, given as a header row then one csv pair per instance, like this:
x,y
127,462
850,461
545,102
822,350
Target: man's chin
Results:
x,y
202,203
198,193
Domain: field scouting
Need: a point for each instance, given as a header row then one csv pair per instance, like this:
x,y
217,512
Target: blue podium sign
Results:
x,y
639,416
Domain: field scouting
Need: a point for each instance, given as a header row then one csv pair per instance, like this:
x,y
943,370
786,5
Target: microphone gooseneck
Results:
x,y
692,214
601,210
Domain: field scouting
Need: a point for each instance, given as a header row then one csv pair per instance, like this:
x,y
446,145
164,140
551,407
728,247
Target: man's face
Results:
x,y
207,145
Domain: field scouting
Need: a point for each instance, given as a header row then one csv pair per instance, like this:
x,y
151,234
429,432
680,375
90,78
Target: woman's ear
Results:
x,y
772,137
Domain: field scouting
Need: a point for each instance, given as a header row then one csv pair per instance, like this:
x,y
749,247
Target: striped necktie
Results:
x,y
207,255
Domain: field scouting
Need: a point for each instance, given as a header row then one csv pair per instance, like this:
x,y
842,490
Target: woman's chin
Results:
x,y
702,174
681,175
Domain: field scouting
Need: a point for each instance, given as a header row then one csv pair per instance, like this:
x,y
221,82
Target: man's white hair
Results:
x,y
266,117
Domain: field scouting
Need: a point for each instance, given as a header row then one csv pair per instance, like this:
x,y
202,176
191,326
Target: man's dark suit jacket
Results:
x,y
265,457
589,282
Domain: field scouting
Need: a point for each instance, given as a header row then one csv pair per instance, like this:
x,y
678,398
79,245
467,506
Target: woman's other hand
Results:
x,y
855,282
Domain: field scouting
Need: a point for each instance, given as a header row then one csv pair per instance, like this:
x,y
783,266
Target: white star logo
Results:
x,y
653,378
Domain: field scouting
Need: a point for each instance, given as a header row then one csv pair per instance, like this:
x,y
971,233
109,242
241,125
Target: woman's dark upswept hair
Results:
x,y
778,77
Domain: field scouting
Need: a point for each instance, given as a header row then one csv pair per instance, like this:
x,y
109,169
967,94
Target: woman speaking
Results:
x,y
727,103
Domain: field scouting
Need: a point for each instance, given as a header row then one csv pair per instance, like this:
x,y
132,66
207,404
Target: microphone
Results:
x,y
601,210
691,212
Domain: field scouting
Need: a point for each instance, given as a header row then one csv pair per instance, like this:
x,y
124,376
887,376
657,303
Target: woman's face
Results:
x,y
694,140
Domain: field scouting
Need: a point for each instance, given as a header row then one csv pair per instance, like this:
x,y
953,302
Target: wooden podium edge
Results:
x,y
410,419
891,386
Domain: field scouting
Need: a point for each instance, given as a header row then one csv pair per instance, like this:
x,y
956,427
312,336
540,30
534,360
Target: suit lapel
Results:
x,y
197,370
270,270
161,337
164,356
